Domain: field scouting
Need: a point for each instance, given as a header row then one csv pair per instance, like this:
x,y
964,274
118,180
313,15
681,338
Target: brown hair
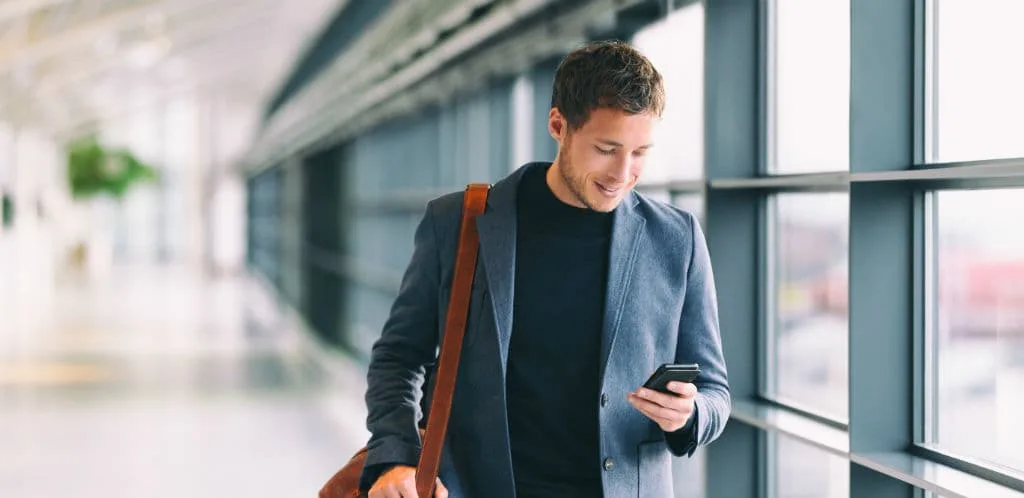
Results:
x,y
608,74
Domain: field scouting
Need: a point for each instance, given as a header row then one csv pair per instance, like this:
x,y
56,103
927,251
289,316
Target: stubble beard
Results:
x,y
577,186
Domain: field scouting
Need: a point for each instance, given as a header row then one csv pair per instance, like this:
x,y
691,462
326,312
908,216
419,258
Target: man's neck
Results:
x,y
556,182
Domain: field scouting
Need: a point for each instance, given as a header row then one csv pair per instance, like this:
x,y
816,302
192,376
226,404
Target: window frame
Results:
x,y
769,266
770,54
926,416
888,164
905,182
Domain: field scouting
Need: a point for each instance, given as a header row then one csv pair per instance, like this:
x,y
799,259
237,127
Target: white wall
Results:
x,y
30,173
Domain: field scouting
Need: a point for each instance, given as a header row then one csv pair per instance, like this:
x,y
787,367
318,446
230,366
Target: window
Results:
x,y
675,46
804,471
7,157
809,88
692,203
976,102
977,327
660,195
688,475
808,295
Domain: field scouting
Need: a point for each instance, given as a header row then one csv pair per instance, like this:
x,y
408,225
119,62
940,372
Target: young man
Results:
x,y
583,288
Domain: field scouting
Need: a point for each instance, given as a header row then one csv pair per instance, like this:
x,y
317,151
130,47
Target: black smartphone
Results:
x,y
672,372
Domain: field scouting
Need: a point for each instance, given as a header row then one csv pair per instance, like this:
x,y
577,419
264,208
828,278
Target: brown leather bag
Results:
x,y
345,483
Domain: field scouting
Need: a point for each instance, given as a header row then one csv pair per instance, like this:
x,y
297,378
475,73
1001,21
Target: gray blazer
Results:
x,y
661,308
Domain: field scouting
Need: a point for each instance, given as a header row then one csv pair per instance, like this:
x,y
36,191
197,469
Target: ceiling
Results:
x,y
69,66
422,54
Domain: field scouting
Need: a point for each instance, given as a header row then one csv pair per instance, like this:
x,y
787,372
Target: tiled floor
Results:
x,y
159,384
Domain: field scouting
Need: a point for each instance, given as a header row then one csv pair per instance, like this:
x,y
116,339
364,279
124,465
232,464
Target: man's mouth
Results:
x,y
611,192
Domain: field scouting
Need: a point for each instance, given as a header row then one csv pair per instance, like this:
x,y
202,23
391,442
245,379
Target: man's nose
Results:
x,y
620,171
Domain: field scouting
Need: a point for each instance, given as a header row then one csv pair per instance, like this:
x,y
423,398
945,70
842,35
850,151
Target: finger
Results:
x,y
666,425
669,424
655,411
441,491
382,492
684,389
408,488
665,400
646,411
676,409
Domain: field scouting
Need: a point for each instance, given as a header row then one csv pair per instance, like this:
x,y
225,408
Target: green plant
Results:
x,y
6,210
95,170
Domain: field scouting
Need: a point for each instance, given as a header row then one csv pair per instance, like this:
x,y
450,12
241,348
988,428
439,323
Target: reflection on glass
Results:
x,y
978,329
676,47
811,86
976,81
804,471
809,352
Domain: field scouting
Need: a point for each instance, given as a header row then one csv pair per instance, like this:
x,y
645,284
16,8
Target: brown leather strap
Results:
x,y
451,347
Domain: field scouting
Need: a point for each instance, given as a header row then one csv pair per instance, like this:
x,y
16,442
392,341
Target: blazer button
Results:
x,y
604,399
609,464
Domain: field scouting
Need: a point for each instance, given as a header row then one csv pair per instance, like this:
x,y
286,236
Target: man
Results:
x,y
583,288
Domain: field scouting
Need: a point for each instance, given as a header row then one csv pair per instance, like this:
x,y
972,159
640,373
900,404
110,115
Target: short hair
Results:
x,y
609,74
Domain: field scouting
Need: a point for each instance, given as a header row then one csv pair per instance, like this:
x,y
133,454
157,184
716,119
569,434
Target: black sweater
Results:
x,y
554,354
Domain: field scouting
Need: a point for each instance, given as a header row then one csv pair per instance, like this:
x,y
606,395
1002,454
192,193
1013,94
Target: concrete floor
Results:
x,y
159,384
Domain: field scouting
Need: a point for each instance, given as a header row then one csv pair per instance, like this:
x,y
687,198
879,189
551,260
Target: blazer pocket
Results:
x,y
654,466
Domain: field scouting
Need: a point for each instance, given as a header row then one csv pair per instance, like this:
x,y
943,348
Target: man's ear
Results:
x,y
558,127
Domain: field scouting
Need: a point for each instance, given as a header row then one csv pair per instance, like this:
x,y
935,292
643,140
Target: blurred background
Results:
x,y
207,207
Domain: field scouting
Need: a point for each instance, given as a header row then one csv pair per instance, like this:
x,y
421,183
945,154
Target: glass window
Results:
x,y
804,471
808,341
692,203
6,173
660,195
688,475
810,86
675,45
6,156
977,331
976,97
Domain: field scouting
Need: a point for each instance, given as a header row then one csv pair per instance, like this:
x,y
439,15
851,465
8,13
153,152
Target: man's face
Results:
x,y
602,160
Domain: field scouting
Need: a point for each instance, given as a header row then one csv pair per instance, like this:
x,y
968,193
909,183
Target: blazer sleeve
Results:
x,y
399,359
700,342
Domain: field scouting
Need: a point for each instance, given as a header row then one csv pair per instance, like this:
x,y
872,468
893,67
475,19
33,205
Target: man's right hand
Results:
x,y
400,482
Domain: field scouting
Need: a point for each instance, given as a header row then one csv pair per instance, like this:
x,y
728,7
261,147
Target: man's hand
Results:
x,y
669,411
400,482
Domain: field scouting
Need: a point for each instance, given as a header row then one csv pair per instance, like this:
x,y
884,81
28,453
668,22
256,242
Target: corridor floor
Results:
x,y
159,384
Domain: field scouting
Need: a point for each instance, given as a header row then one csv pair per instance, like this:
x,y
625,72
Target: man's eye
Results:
x,y
606,152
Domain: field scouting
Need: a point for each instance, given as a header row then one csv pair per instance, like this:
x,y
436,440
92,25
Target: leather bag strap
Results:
x,y
451,347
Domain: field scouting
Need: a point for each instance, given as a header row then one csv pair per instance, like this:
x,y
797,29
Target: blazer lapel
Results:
x,y
626,229
497,228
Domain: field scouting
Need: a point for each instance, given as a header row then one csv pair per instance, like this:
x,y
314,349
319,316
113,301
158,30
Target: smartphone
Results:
x,y
672,372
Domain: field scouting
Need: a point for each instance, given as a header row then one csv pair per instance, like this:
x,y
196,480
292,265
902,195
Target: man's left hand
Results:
x,y
669,411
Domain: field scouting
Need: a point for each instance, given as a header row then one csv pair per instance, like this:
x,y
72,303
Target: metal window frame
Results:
x,y
926,431
892,93
901,176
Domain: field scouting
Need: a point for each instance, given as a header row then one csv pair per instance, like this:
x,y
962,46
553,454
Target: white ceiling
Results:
x,y
69,66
